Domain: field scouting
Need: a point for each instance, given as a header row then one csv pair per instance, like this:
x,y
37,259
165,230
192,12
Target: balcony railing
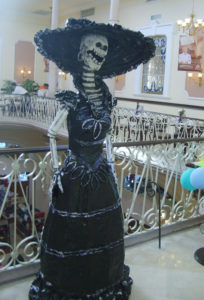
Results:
x,y
148,176
147,126
127,124
33,108
148,167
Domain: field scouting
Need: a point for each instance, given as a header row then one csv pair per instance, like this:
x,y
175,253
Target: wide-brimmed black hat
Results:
x,y
126,49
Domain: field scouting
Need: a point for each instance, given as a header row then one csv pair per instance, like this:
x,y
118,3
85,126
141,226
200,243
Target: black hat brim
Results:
x,y
127,49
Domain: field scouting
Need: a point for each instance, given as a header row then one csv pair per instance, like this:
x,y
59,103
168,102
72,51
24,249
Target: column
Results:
x,y
52,66
114,12
113,19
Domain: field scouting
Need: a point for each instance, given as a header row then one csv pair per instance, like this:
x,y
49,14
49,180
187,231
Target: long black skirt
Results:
x,y
82,248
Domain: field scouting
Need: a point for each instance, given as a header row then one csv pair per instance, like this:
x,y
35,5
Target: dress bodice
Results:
x,y
86,133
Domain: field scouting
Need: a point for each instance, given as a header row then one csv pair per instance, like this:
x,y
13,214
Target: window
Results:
x,y
152,78
154,70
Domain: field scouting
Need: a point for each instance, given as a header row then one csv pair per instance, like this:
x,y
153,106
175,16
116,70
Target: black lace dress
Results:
x,y
82,254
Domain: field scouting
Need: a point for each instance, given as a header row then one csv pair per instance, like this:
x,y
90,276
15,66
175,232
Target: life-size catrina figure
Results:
x,y
82,246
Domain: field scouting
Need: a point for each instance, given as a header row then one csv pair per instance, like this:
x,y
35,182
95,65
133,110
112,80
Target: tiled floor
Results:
x,y
159,274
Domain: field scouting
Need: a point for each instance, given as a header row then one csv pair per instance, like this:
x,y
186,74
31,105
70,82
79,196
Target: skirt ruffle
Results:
x,y
42,290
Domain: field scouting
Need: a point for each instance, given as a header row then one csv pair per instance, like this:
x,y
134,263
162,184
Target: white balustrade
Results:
x,y
148,173
127,124
145,175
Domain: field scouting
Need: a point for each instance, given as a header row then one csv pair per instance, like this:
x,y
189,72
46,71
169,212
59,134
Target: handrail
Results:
x,y
155,102
30,149
157,142
122,144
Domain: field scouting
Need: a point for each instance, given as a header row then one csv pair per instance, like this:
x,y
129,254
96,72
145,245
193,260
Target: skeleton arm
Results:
x,y
52,131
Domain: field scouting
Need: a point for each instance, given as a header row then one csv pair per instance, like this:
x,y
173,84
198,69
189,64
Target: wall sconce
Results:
x,y
25,73
197,77
200,77
63,75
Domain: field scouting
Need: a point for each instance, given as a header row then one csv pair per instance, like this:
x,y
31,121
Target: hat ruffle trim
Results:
x,y
127,49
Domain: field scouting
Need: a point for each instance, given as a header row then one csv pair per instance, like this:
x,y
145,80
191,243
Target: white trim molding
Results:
x,y
195,98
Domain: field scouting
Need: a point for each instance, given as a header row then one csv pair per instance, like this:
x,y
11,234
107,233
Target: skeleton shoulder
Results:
x,y
67,99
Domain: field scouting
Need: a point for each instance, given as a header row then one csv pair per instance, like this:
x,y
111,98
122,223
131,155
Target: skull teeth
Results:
x,y
95,57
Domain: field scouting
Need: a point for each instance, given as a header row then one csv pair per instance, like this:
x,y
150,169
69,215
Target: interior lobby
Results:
x,y
157,132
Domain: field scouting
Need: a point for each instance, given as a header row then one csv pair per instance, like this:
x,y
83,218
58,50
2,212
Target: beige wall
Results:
x,y
138,14
133,14
12,30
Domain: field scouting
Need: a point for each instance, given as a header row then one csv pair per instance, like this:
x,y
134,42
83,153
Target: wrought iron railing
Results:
x,y
149,172
127,124
24,184
31,108
150,150
141,168
145,126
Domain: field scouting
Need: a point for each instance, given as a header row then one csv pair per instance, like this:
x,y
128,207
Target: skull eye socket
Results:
x,y
98,44
103,47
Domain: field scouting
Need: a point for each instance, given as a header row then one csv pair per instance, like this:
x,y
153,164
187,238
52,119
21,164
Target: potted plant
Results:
x,y
31,86
181,114
7,87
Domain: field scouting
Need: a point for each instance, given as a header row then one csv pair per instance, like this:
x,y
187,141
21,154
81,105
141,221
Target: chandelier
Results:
x,y
191,26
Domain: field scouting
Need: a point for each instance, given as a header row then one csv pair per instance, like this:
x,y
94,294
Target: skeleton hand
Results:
x,y
97,125
106,119
57,179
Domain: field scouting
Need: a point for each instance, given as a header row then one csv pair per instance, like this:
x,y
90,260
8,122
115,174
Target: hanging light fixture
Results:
x,y
191,26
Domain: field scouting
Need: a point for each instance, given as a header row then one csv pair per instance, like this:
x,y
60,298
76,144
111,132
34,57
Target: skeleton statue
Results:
x,y
92,54
82,247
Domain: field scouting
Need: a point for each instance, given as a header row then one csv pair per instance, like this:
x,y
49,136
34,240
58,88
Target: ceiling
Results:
x,y
43,7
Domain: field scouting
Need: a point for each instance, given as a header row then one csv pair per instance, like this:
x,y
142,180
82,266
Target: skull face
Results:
x,y
93,50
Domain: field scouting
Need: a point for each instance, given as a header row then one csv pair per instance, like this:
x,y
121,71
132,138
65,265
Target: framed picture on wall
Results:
x,y
190,57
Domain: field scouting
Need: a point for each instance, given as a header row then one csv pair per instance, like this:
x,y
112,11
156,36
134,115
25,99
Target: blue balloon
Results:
x,y
197,178
185,180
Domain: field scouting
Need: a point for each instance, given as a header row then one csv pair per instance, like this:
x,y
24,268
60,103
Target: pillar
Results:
x,y
52,66
114,12
113,19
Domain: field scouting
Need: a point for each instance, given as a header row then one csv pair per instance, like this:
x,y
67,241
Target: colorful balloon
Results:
x,y
185,180
197,178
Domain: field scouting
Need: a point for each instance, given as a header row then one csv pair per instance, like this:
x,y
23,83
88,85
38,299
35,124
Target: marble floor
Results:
x,y
159,274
